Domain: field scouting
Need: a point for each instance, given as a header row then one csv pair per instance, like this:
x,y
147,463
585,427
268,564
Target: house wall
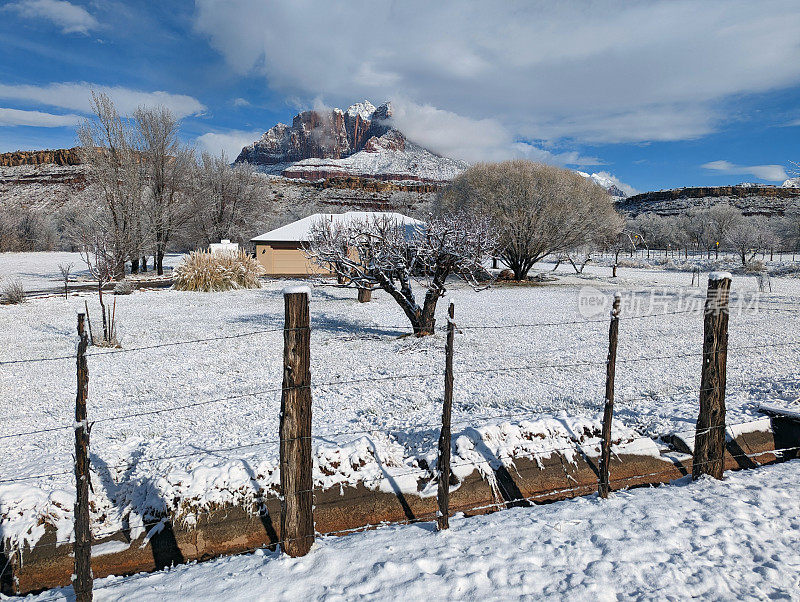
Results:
x,y
286,259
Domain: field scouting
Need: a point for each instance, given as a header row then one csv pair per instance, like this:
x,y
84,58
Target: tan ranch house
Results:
x,y
280,251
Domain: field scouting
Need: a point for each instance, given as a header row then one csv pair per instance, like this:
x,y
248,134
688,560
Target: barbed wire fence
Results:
x,y
297,526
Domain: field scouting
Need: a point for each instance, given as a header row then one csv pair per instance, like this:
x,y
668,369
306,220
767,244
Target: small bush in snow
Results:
x,y
754,265
13,293
207,272
123,287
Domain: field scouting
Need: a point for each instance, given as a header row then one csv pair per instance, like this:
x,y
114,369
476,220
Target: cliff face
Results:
x,y
750,199
359,142
44,187
333,134
61,156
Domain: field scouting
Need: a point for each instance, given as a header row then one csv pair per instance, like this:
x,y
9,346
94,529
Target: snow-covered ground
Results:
x,y
735,539
224,449
39,271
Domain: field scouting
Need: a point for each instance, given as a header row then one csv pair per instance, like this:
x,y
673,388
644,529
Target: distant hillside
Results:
x,y
751,199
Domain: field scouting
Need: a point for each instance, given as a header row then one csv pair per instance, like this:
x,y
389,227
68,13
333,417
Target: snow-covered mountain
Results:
x,y
363,142
612,186
791,183
357,142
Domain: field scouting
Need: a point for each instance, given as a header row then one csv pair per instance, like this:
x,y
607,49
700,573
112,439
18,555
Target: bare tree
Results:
x,y
536,209
225,200
625,240
722,219
107,146
24,229
99,255
790,229
386,253
699,229
167,170
749,236
65,269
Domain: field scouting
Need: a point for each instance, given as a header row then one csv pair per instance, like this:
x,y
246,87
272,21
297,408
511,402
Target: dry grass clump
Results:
x,y
13,293
208,272
124,287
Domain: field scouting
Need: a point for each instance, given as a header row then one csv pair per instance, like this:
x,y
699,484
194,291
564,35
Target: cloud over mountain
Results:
x,y
579,72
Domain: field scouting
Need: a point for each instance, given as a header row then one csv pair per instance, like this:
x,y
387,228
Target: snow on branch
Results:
x,y
386,252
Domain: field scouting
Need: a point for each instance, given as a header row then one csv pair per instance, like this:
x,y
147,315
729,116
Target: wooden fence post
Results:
x,y
82,548
608,410
297,519
443,518
709,440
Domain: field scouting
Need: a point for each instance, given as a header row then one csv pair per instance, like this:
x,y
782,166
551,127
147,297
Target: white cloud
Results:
x,y
70,17
76,96
599,72
230,142
471,140
13,117
771,173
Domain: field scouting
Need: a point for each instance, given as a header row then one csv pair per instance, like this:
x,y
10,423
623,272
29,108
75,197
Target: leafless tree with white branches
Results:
x,y
749,236
226,199
536,210
386,253
166,166
99,255
108,147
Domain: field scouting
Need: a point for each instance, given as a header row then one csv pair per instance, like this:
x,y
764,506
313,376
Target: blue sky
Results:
x,y
658,93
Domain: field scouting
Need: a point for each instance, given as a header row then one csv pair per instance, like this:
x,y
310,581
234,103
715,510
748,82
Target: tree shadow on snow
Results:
x,y
163,544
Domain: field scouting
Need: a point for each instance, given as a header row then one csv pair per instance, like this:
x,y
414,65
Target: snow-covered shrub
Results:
x,y
204,271
754,265
13,293
123,287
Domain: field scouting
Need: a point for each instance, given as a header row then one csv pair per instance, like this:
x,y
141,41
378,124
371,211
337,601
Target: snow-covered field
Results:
x,y
731,540
39,271
224,449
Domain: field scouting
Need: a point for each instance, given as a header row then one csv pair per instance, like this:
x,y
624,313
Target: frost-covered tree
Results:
x,y
108,147
225,200
386,253
749,236
99,254
166,166
790,229
722,219
536,210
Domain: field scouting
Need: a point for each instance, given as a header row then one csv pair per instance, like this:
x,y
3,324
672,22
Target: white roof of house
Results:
x,y
300,230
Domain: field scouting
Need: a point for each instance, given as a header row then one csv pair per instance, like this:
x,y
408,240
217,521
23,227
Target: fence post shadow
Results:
x,y
264,514
506,486
741,457
164,546
7,573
